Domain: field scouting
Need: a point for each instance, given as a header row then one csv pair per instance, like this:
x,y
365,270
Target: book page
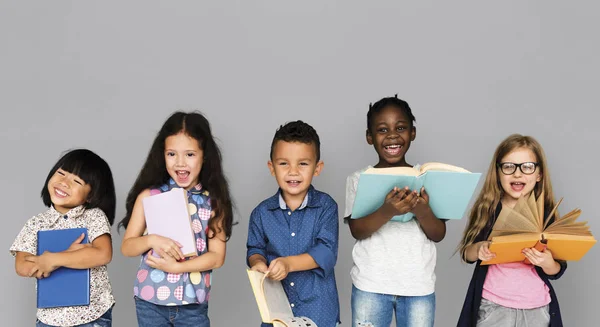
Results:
x,y
276,299
438,166
407,171
512,220
270,297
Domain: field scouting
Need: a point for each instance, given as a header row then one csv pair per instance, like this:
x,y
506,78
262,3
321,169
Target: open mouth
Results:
x,y
517,186
293,183
60,193
182,175
392,149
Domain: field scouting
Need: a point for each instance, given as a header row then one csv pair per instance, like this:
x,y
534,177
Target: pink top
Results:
x,y
515,285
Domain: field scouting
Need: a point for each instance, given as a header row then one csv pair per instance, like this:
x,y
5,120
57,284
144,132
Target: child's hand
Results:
x,y
484,253
544,259
76,245
165,263
422,206
168,246
44,265
400,201
279,269
260,267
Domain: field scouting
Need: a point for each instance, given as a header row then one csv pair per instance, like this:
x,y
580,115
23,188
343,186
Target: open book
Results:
x,y
523,227
167,215
450,188
273,303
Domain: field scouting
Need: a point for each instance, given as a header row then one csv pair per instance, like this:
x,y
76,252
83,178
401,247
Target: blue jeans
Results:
x,y
373,309
104,321
153,315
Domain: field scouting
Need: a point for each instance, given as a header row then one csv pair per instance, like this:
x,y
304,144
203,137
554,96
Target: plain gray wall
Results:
x,y
105,77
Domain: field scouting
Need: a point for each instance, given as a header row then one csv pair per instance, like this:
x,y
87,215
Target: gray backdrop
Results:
x,y
106,76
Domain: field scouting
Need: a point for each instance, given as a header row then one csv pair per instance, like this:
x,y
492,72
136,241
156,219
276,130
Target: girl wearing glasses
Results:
x,y
510,294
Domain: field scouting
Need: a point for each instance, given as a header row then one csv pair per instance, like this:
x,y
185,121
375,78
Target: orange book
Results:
x,y
523,227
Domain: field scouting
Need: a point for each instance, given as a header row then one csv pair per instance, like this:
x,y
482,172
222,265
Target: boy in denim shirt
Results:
x,y
293,235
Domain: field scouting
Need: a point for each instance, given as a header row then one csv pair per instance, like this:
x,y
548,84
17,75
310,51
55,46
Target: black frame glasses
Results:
x,y
509,168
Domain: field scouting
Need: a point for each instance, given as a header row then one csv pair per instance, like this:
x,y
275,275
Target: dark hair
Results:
x,y
95,172
297,131
154,171
390,102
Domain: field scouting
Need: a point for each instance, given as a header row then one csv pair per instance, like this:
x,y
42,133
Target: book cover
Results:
x,y
65,286
450,189
523,227
167,215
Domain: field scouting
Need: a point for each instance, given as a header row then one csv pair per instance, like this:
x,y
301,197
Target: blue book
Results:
x,y
450,189
65,286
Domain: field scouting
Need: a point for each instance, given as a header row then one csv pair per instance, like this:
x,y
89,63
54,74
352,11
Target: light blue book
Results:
x,y
450,189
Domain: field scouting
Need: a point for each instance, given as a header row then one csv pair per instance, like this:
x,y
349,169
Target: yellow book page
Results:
x,y
270,297
405,171
411,171
256,280
438,166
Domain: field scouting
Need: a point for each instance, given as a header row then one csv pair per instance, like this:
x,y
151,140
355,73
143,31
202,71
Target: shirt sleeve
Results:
x,y
26,241
256,243
97,223
325,250
351,184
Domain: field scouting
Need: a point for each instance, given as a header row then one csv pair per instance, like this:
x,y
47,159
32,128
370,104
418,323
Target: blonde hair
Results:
x,y
492,192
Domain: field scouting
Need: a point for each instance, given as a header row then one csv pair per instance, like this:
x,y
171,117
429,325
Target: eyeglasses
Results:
x,y
509,168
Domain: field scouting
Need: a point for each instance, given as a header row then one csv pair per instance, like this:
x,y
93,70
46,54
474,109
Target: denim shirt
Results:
x,y
276,231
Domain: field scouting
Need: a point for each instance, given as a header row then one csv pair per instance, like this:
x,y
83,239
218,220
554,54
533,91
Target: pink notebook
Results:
x,y
167,215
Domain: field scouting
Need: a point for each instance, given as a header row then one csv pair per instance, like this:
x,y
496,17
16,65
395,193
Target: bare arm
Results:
x,y
258,262
22,266
214,258
98,254
135,243
479,251
434,228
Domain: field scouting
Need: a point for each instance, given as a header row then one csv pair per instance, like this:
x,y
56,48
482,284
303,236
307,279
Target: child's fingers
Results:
x,y
410,196
30,258
39,274
33,271
424,194
391,194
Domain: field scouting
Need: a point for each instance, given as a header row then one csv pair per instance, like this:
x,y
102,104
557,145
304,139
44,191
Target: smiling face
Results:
x,y
518,184
391,133
183,159
67,190
294,164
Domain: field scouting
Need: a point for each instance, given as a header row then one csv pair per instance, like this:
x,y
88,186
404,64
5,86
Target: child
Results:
x,y
171,290
80,193
394,262
511,294
293,235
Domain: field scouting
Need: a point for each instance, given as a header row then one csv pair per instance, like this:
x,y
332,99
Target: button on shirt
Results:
x,y
101,297
276,231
